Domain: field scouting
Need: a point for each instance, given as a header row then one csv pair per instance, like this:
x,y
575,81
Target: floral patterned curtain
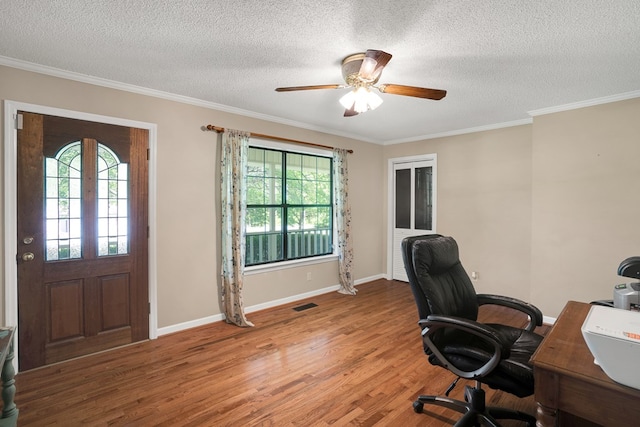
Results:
x,y
343,220
233,200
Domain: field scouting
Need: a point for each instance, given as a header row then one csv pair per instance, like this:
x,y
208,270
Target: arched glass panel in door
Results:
x,y
113,203
63,203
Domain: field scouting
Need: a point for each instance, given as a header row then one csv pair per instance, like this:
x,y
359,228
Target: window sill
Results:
x,y
266,268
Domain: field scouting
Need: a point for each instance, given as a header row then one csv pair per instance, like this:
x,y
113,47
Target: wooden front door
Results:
x,y
82,238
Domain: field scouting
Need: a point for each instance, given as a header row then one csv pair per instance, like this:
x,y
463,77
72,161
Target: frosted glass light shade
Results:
x,y
361,99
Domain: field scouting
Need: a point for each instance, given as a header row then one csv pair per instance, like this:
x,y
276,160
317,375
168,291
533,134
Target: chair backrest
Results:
x,y
439,283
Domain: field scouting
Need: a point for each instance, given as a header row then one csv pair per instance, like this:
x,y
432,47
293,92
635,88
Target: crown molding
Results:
x,y
85,78
112,84
462,131
587,103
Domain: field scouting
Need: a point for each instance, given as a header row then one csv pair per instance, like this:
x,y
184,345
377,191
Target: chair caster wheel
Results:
x,y
417,407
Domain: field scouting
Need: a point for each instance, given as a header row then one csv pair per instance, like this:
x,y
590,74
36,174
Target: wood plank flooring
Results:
x,y
351,360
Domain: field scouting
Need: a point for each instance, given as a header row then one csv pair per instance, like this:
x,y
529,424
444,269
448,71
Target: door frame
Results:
x,y
11,109
391,197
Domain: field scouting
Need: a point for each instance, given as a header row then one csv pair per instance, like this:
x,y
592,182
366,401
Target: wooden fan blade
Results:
x,y
373,63
418,92
292,88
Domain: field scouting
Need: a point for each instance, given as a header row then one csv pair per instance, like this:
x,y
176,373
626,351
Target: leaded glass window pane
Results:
x,y
113,201
63,207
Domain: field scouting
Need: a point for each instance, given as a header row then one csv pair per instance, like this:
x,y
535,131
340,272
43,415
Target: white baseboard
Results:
x,y
369,279
220,317
292,298
190,324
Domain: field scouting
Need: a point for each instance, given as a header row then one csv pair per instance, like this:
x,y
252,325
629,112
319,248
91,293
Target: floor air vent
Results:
x,y
305,307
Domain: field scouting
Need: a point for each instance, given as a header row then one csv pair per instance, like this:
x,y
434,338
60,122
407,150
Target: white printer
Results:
x,y
613,337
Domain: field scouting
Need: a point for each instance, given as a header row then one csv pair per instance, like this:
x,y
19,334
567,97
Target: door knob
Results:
x,y
28,256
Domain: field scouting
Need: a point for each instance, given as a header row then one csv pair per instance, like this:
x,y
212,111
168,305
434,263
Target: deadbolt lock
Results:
x,y
27,240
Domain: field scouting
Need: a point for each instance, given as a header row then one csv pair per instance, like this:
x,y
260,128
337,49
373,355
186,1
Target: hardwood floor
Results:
x,y
348,361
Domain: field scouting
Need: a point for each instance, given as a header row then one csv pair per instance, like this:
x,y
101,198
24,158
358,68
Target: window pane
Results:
x,y
323,193
273,163
255,190
294,191
308,232
294,179
294,219
294,166
309,192
403,198
51,185
324,169
255,162
308,179
423,198
309,167
63,208
75,188
324,218
263,235
273,191
113,194
264,177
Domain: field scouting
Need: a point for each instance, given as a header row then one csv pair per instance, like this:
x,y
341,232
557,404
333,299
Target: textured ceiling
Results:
x,y
498,60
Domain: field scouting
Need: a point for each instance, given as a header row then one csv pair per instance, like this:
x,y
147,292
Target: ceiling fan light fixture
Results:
x,y
361,72
368,68
373,100
361,99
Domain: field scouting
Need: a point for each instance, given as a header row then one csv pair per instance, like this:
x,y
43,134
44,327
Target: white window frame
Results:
x,y
392,162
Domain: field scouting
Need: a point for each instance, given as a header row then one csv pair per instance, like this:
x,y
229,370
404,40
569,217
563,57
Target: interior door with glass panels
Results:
x,y
82,238
414,212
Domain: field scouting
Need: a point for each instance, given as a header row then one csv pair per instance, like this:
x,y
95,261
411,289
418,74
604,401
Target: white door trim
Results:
x,y
390,199
11,109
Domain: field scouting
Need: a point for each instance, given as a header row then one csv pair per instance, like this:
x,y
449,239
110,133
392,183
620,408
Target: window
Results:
x,y
113,218
66,193
289,206
63,205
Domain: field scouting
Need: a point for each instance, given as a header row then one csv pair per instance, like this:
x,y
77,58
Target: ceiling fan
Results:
x,y
361,71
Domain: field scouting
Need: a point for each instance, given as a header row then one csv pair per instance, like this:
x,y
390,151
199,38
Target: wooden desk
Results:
x,y
568,384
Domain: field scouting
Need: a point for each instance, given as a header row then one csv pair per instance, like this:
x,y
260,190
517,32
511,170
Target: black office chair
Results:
x,y
492,354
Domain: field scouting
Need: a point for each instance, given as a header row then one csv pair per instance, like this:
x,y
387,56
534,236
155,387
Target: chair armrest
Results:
x,y
534,313
434,323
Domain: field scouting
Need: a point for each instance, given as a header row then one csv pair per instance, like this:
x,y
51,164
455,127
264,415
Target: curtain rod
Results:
x,y
277,138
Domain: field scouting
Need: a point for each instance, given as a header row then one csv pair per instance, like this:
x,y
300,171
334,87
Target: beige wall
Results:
x,y
586,202
187,201
484,202
544,212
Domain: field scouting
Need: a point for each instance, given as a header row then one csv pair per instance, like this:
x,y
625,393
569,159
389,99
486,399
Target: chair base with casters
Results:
x,y
474,408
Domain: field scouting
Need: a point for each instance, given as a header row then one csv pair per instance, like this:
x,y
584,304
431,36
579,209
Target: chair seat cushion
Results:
x,y
469,352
